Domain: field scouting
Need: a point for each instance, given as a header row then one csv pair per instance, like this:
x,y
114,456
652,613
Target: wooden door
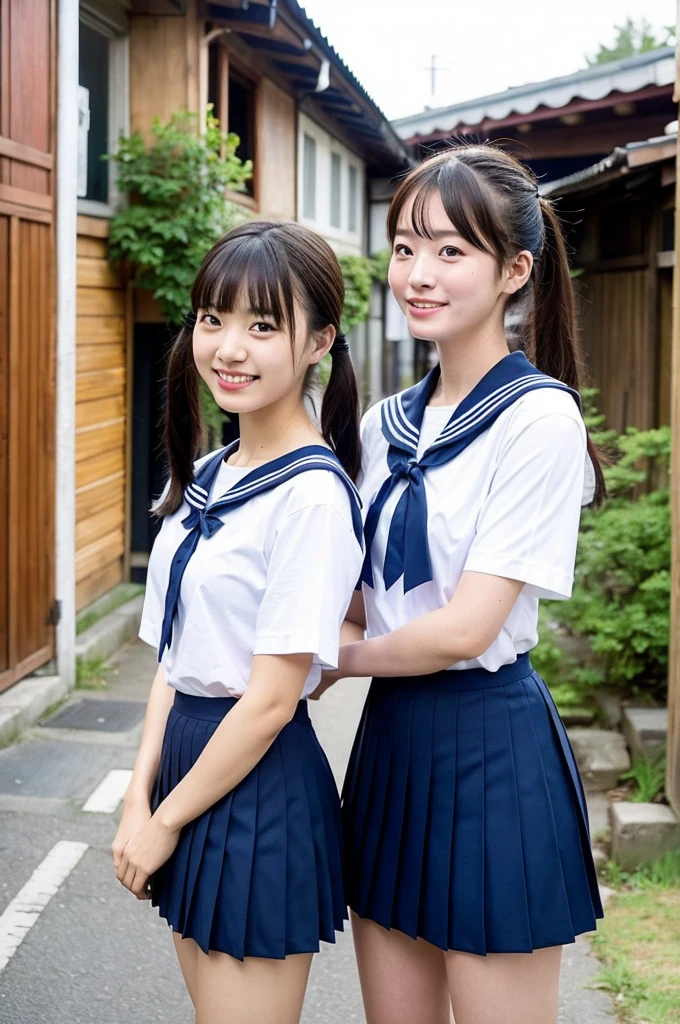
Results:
x,y
27,336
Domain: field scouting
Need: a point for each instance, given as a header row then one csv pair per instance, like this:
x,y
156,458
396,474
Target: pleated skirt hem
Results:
x,y
259,874
465,818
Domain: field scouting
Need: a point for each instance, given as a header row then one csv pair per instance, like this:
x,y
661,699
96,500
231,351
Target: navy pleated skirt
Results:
x,y
260,872
465,818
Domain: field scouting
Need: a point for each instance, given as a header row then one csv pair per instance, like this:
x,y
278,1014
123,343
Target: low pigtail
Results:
x,y
182,427
553,341
340,410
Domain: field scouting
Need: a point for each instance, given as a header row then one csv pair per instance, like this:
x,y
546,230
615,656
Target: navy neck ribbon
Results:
x,y
205,520
408,553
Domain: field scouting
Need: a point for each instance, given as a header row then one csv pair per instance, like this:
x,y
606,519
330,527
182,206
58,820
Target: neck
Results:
x,y
464,361
266,434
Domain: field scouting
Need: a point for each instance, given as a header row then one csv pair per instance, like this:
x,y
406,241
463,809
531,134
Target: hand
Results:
x,y
327,680
145,852
135,815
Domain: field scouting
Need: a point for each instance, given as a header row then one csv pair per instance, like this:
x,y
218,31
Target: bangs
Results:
x,y
468,203
248,271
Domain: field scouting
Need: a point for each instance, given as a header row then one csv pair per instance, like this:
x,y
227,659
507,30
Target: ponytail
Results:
x,y
182,426
554,346
340,409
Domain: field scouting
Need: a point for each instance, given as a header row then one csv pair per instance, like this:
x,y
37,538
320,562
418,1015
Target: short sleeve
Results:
x,y
313,566
528,525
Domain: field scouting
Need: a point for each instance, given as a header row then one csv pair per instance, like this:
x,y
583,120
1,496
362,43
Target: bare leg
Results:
x,y
187,953
403,980
255,991
512,988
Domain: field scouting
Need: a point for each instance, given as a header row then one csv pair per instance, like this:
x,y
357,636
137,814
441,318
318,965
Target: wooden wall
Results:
x,y
27,336
101,416
619,337
276,142
162,68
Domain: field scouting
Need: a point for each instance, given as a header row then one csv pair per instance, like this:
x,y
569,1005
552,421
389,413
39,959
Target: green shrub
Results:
x,y
621,598
177,206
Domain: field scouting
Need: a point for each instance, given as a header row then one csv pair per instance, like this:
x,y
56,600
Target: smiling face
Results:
x,y
248,360
448,287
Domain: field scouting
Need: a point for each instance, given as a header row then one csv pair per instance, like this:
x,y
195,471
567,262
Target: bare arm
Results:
x,y
148,758
462,630
136,805
238,743
242,738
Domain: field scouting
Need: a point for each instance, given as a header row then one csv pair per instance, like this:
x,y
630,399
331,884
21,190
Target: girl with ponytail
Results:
x,y
468,860
231,823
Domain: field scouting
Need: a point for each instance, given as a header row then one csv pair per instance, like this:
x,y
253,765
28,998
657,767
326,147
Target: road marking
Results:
x,y
109,792
44,883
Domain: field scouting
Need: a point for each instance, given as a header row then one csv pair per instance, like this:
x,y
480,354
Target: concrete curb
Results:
x,y
26,701
23,704
110,633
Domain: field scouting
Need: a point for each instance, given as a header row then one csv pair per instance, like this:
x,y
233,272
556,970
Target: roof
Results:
x,y
654,68
620,161
283,32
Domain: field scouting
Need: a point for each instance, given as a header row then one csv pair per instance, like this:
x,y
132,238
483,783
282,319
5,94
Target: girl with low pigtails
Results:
x,y
231,823
468,862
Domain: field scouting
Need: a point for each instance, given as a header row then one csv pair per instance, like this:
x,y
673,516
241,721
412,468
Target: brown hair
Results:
x,y
275,264
494,203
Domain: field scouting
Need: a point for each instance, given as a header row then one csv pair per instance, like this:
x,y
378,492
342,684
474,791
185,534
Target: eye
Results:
x,y
402,250
210,319
450,251
262,327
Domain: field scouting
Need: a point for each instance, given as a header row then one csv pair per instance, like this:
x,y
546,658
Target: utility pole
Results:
x,y
433,70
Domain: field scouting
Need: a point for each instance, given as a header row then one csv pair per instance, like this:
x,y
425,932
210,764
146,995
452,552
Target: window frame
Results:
x,y
111,23
336,200
313,215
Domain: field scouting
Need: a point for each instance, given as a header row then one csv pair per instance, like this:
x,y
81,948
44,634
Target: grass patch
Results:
x,y
119,595
89,673
639,942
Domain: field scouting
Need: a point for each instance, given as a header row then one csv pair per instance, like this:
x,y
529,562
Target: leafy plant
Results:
x,y
649,775
177,207
621,598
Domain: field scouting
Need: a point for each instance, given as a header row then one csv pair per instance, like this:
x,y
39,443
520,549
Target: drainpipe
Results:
x,y
66,213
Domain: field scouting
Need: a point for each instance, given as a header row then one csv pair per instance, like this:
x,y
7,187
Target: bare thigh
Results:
x,y
255,991
403,980
512,988
187,954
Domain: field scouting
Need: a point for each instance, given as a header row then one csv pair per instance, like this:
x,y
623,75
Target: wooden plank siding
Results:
x,y
27,336
617,324
101,418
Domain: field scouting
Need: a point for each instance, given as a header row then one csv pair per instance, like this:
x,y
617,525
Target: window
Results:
x,y
241,120
353,199
336,187
103,103
93,76
309,178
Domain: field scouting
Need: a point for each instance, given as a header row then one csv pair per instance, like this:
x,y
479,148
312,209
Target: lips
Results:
x,y
423,308
234,381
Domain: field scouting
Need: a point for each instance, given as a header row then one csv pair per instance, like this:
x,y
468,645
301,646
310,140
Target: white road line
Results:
x,y
109,792
44,883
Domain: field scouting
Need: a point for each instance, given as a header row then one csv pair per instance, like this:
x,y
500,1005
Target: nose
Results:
x,y
421,272
231,348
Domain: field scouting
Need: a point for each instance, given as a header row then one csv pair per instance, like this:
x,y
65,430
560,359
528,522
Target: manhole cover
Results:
x,y
98,715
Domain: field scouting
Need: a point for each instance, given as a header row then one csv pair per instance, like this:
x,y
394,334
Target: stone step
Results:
x,y
601,756
642,833
645,729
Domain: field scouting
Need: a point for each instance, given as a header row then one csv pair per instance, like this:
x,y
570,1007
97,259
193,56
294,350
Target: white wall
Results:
x,y
342,239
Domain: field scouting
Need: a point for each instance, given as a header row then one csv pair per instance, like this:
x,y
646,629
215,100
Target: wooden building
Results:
x,y
562,125
27,336
316,140
620,213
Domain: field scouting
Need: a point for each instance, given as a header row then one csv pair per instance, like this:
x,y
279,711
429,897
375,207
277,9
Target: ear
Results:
x,y
518,272
321,344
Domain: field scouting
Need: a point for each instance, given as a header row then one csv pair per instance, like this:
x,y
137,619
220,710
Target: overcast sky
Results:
x,y
485,45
